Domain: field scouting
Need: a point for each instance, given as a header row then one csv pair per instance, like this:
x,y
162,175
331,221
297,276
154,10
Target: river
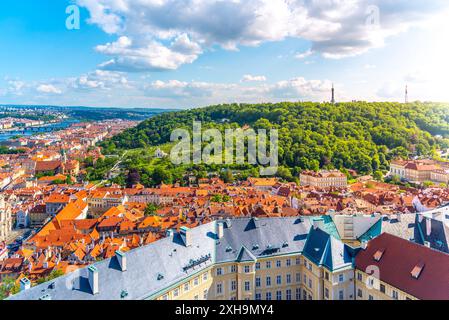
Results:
x,y
26,132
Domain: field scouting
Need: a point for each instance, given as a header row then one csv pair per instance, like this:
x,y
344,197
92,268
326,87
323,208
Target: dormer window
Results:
x,y
417,270
378,255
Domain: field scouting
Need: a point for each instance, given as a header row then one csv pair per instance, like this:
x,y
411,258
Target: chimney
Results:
x,y
220,230
25,284
93,279
428,227
186,235
121,258
169,233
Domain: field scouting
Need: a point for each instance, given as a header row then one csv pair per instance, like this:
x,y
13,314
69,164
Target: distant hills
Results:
x,y
97,113
358,135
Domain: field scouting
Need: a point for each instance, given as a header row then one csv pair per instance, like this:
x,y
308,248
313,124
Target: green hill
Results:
x,y
359,135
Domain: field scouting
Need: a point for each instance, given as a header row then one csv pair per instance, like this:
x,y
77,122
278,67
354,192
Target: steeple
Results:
x,y
333,94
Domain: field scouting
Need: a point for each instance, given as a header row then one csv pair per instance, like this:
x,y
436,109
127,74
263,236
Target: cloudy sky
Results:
x,y
189,53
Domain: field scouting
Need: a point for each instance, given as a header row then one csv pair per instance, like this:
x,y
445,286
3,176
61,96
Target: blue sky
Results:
x,y
171,53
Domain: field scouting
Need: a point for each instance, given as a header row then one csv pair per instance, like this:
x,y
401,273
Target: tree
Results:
x,y
161,175
227,176
55,273
378,175
151,209
133,178
8,287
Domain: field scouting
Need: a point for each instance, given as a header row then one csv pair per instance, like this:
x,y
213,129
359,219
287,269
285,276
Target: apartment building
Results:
x,y
323,179
101,201
420,171
391,268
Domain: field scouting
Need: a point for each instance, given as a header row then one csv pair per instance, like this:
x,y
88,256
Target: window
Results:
x,y
268,264
278,280
257,282
382,288
233,268
298,261
219,271
395,295
298,294
233,285
288,294
278,263
341,277
196,281
326,293
326,275
205,276
341,295
165,297
196,297
304,295
258,296
359,293
310,283
205,294
278,295
186,287
219,288
359,276
247,286
268,281
370,297
298,277
288,262
176,292
257,265
289,278
268,296
246,269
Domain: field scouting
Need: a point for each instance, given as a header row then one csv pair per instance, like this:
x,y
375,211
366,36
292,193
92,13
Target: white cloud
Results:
x,y
165,34
301,88
154,56
251,78
99,79
391,91
303,55
15,87
48,88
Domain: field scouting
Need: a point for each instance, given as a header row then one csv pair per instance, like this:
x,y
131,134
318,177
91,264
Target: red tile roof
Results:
x,y
407,266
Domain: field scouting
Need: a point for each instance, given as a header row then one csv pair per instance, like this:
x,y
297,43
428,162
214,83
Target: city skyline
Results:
x,y
140,54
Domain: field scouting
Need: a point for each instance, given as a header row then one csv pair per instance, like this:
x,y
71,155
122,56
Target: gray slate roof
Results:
x,y
157,266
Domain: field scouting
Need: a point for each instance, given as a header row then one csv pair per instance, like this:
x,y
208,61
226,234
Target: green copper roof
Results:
x,y
329,225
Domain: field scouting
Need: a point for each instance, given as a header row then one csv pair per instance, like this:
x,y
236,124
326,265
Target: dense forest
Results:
x,y
358,135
